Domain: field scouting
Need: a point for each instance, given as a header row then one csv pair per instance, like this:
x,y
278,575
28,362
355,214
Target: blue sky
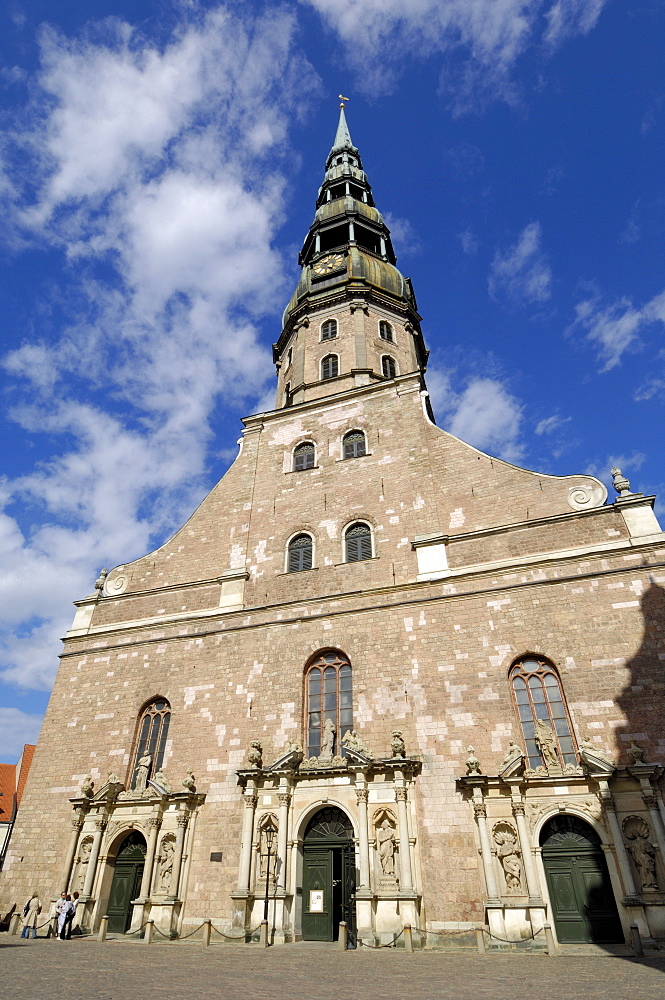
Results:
x,y
158,169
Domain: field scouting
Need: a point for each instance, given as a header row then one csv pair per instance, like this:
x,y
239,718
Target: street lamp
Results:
x,y
269,831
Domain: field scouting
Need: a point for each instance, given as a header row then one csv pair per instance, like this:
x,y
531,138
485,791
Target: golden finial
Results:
x,y
342,99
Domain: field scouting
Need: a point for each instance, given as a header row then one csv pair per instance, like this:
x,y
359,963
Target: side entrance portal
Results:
x,y
329,876
583,904
126,882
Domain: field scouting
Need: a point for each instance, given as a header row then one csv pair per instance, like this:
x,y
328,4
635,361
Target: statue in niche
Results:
x,y
642,850
328,741
397,744
546,741
165,870
255,754
84,861
355,742
386,839
142,772
509,855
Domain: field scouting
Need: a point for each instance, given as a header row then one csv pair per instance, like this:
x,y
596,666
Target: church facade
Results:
x,y
379,676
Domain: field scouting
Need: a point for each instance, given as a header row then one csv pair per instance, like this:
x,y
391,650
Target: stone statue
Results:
x,y
328,741
295,746
620,483
513,753
166,863
190,781
385,837
635,753
142,772
84,860
255,754
508,853
100,581
546,744
472,762
642,850
355,742
397,745
592,756
88,787
160,779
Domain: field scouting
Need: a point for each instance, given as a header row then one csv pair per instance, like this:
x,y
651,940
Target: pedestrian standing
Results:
x,y
70,916
31,911
65,910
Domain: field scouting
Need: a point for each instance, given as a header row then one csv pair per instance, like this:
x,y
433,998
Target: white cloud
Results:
x,y
614,329
470,242
521,273
484,414
478,41
551,424
16,729
404,237
627,463
163,168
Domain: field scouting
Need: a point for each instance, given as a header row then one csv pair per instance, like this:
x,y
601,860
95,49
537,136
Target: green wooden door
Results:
x,y
583,904
126,882
317,894
329,875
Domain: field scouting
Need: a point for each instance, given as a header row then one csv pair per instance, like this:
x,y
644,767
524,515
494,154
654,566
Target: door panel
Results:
x,y
124,888
317,924
582,899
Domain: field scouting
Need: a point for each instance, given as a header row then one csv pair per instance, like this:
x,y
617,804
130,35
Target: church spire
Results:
x,y
342,136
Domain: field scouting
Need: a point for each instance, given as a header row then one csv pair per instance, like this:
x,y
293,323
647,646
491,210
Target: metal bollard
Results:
x,y
207,926
480,940
343,938
103,927
263,936
636,941
149,931
549,937
408,939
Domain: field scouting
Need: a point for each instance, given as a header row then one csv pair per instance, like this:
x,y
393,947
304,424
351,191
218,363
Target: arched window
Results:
x,y
303,456
329,696
542,710
300,553
358,543
385,331
354,444
329,329
329,366
153,731
388,366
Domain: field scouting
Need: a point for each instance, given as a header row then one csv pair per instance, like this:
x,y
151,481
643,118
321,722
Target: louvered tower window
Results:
x,y
300,553
152,735
329,329
388,366
354,444
330,366
385,331
329,696
358,543
303,456
538,696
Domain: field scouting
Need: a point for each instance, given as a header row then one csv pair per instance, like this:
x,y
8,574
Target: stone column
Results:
x,y
100,826
250,799
405,876
358,309
617,839
532,884
480,813
362,796
154,823
283,836
183,820
77,825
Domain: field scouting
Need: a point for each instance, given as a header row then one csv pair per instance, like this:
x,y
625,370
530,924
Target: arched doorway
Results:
x,y
329,875
581,895
126,883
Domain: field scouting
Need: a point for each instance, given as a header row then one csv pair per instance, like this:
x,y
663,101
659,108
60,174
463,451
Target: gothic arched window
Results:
x,y
388,366
354,444
303,456
385,331
330,366
329,329
301,551
541,706
329,696
357,543
153,731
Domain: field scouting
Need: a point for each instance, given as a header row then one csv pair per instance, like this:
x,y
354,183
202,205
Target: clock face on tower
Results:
x,y
328,265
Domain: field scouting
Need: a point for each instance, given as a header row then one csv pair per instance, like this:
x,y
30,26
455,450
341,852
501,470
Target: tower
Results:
x,y
421,679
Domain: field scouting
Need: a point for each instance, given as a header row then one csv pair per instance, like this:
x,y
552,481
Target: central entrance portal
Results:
x,y
329,876
126,882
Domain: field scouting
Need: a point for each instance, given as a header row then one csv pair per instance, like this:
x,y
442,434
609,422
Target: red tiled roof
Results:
x,y
7,787
26,761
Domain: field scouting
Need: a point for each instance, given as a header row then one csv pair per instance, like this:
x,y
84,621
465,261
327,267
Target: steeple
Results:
x,y
348,263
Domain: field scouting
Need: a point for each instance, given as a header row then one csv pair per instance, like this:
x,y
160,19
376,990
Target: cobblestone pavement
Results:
x,y
118,970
